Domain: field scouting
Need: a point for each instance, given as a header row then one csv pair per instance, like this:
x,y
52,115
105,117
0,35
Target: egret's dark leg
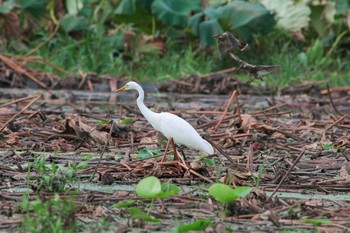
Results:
x,y
177,156
181,150
166,149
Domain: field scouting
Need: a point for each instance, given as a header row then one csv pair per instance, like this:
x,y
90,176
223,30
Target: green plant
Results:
x,y
257,178
199,225
224,193
54,177
150,187
317,222
145,153
53,216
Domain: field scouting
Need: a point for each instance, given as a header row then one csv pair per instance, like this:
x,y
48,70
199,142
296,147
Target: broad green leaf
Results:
x,y
136,213
127,121
168,190
199,225
74,23
148,187
194,21
7,6
74,6
242,191
341,6
317,222
248,18
289,15
225,193
175,12
124,204
35,7
126,7
207,29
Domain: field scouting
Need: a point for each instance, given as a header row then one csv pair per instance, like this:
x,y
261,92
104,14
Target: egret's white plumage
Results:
x,y
169,124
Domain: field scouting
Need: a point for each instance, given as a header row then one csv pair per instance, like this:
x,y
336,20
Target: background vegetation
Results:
x,y
154,40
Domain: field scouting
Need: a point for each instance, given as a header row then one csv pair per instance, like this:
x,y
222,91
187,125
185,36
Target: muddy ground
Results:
x,y
291,147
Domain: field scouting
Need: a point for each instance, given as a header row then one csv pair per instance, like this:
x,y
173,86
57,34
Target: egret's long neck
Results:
x,y
150,116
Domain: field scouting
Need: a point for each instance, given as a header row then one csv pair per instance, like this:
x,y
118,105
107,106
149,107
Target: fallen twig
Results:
x,y
286,175
20,112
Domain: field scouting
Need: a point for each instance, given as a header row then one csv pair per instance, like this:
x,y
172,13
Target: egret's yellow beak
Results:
x,y
121,89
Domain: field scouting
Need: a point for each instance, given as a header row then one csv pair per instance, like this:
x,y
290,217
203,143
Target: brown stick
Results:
x,y
20,112
102,152
336,122
331,100
19,69
16,101
285,176
226,109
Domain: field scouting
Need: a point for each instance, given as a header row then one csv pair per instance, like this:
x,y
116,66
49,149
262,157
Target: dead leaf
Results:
x,y
100,211
345,171
248,121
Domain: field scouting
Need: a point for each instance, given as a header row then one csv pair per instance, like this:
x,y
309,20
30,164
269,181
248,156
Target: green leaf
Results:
x,y
136,213
102,122
199,225
127,121
145,153
35,7
148,187
82,165
126,7
175,12
194,21
341,6
7,6
168,190
225,193
242,191
74,23
289,15
206,31
248,18
74,6
124,204
317,222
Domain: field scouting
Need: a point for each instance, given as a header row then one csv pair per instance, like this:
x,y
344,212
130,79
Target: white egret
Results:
x,y
171,126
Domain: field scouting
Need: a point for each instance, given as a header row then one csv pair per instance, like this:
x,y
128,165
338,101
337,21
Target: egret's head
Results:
x,y
128,86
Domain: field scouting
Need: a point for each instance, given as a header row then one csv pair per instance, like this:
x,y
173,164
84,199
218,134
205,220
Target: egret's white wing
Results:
x,y
183,133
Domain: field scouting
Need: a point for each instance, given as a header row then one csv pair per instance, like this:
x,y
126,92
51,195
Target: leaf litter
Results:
x,y
293,144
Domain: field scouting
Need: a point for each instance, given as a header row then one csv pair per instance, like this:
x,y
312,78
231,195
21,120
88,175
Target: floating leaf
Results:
x,y
199,225
124,204
136,213
148,187
225,193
